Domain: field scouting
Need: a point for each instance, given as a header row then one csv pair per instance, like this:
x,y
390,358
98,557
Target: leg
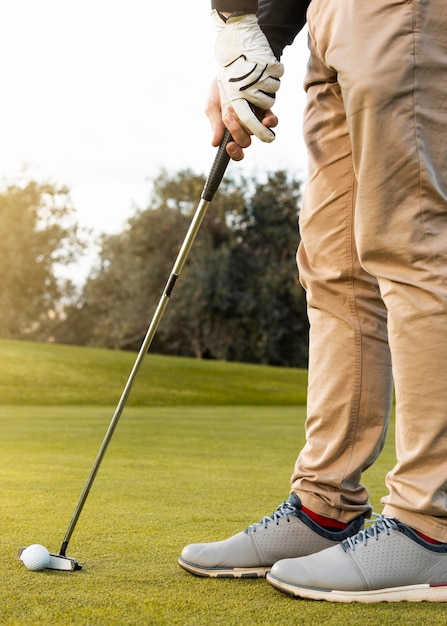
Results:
x,y
395,98
392,72
350,383
396,119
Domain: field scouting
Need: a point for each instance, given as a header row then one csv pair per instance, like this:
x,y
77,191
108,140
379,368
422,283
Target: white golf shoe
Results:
x,y
288,532
387,562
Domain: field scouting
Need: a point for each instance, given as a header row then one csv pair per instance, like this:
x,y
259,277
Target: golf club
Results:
x,y
61,561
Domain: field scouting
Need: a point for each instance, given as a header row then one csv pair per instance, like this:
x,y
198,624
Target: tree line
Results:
x,y
238,298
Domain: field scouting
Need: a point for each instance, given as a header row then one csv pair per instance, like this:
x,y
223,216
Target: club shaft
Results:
x,y
216,174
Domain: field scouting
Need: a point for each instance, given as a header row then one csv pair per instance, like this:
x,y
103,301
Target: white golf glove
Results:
x,y
248,71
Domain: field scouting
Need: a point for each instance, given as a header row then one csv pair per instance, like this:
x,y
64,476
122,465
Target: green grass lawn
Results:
x,y
202,450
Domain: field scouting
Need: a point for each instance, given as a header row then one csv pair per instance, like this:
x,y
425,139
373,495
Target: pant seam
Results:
x,y
418,149
350,243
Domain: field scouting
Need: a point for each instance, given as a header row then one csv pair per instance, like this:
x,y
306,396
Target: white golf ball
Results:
x,y
35,557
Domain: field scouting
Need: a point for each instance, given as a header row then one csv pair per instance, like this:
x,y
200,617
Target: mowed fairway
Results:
x,y
202,450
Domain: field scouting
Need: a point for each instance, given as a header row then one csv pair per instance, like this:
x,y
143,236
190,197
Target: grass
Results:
x,y
54,375
203,450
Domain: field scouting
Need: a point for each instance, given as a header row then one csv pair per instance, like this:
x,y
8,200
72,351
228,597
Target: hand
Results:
x,y
241,136
248,73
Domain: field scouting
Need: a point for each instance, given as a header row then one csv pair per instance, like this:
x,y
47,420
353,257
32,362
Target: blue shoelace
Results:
x,y
283,511
381,524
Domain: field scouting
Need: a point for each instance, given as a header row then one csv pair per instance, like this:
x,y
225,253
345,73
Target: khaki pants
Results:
x,y
373,257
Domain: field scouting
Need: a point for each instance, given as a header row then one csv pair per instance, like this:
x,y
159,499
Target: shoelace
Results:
x,y
381,524
283,511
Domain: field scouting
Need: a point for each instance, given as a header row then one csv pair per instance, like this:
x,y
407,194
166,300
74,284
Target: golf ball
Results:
x,y
35,557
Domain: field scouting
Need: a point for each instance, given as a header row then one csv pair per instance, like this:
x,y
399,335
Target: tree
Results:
x,y
121,294
37,237
238,297
246,301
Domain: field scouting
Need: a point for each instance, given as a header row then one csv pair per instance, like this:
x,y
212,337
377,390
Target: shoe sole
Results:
x,y
214,572
410,593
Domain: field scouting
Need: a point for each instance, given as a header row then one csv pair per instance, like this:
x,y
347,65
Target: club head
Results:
x,y
58,562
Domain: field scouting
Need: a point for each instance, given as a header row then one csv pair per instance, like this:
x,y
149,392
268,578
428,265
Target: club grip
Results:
x,y
218,168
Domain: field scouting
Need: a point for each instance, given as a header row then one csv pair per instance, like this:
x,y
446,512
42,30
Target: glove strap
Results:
x,y
235,14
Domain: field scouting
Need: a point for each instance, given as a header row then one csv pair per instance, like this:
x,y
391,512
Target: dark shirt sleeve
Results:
x,y
250,6
281,20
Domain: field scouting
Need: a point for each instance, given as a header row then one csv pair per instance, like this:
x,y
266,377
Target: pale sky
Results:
x,y
99,95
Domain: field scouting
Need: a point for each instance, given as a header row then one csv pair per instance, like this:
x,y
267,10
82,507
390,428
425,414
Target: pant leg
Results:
x,y
390,60
350,383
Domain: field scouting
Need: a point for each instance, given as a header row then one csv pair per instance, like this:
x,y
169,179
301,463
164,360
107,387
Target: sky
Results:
x,y
100,95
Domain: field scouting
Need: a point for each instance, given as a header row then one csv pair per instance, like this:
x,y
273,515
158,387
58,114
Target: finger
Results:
x,y
234,151
248,119
214,115
242,138
268,118
239,133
